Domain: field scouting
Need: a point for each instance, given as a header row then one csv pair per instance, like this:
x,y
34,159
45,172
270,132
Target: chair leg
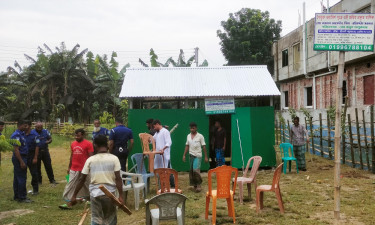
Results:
x,y
297,166
233,213
279,200
284,167
240,188
229,204
136,198
290,166
213,210
249,190
125,196
257,201
207,206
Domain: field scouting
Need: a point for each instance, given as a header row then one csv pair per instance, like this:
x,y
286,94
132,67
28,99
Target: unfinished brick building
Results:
x,y
312,84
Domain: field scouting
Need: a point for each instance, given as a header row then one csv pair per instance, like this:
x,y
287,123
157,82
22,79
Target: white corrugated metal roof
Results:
x,y
228,81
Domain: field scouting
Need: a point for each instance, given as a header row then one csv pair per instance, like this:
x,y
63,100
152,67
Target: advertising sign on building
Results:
x,y
344,32
219,106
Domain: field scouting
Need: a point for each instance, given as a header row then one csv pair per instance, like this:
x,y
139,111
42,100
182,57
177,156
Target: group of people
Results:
x,y
30,149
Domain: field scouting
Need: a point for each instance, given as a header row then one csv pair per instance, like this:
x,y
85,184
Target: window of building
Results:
x,y
286,99
308,97
284,57
344,91
297,56
368,90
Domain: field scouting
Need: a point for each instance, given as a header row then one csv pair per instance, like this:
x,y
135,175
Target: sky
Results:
x,y
131,28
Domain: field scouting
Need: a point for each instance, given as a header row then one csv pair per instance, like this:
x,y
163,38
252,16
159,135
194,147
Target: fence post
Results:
x,y
329,136
365,133
351,140
312,136
290,137
359,138
321,135
372,138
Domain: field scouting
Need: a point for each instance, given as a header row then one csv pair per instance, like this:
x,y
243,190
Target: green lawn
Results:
x,y
308,197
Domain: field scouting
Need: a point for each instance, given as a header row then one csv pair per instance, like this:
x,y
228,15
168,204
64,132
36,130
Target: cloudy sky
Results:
x,y
130,28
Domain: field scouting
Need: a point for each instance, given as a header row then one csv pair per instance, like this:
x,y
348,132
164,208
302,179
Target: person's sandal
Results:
x,y
65,206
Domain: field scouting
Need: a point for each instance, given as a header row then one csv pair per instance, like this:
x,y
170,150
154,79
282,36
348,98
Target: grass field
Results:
x,y
308,197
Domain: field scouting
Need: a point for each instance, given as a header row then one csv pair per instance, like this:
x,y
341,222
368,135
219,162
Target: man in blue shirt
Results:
x,y
32,141
99,130
45,139
118,142
19,160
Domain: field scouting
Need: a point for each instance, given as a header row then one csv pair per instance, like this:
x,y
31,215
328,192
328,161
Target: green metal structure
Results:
x,y
256,126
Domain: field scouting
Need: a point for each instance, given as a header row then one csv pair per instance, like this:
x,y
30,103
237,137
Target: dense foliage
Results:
x,y
247,37
68,83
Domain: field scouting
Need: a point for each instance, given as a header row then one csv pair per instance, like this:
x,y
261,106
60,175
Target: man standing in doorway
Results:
x,y
194,143
33,142
219,142
299,137
45,139
118,142
19,160
99,130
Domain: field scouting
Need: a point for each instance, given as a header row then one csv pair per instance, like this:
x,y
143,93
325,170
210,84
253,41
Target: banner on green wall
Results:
x,y
219,106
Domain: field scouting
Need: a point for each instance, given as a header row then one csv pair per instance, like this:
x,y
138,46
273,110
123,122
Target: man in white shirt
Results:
x,y
194,143
163,143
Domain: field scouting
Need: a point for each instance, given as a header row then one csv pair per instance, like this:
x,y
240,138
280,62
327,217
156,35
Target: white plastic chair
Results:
x,y
168,208
130,184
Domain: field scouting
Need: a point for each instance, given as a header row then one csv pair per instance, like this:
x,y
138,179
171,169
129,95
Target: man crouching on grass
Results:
x,y
104,169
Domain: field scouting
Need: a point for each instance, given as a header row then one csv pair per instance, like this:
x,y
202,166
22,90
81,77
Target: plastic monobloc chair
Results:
x,y
141,169
129,184
249,179
164,174
286,156
171,206
223,181
275,187
146,140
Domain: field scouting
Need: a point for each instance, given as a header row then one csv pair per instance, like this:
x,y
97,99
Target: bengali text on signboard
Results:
x,y
344,32
219,106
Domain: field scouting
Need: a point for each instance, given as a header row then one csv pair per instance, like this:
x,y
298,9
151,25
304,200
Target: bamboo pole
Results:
x,y
359,138
372,138
290,137
321,135
329,136
365,134
307,144
283,132
337,184
343,131
351,140
312,136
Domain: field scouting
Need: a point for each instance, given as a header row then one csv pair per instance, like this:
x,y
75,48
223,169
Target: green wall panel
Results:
x,y
137,122
263,134
243,117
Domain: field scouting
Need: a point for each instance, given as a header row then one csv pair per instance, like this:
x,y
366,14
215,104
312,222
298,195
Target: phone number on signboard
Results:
x,y
349,47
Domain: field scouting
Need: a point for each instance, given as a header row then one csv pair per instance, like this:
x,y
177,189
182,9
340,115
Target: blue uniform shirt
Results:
x,y
32,140
43,137
120,136
20,136
102,131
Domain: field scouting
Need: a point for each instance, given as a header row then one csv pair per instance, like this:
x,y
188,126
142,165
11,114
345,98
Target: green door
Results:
x,y
256,129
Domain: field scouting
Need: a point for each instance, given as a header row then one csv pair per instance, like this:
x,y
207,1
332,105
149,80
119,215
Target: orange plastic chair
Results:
x,y
164,175
275,187
223,180
252,176
150,153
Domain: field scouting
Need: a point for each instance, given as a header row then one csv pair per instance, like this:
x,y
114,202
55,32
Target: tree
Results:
x,y
247,37
180,61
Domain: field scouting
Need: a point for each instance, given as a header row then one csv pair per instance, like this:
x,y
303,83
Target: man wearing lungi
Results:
x,y
82,149
194,143
299,137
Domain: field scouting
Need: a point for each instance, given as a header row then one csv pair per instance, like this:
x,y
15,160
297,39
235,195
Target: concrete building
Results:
x,y
315,87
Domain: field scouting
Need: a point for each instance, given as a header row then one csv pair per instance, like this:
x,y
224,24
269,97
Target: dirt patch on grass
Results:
x,y
354,174
329,218
17,212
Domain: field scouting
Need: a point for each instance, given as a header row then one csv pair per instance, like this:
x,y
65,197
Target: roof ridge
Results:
x,y
201,68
